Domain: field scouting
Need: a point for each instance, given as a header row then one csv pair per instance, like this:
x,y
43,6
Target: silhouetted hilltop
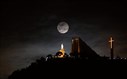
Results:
x,y
81,62
61,66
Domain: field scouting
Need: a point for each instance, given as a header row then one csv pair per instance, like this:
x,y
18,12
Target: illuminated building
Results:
x,y
61,52
81,49
75,49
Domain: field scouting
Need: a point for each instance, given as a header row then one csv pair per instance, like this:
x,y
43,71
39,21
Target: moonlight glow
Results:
x,y
63,27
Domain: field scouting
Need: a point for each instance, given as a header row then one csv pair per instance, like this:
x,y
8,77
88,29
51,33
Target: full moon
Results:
x,y
63,27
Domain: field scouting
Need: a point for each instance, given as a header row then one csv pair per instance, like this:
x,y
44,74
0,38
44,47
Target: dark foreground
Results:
x,y
71,67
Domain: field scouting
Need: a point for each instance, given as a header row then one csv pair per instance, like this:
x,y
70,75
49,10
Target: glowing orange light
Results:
x,y
62,51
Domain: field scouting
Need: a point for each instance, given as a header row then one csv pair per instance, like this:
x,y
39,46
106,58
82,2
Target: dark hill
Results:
x,y
68,67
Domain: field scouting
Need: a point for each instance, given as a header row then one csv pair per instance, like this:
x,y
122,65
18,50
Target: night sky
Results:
x,y
29,29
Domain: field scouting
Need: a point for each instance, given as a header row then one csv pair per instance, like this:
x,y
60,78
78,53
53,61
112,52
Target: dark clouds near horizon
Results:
x,y
28,29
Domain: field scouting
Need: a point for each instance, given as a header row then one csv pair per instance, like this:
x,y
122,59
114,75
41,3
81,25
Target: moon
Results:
x,y
63,27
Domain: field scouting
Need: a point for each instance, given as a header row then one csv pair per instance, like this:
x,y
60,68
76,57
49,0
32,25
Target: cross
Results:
x,y
111,42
